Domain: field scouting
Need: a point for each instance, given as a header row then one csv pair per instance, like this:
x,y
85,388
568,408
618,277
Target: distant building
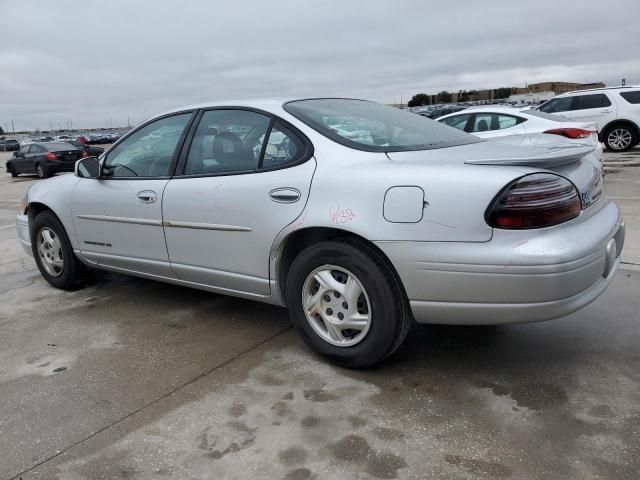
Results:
x,y
557,87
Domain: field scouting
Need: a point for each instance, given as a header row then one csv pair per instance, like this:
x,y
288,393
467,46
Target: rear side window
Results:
x,y
508,121
631,97
457,121
484,122
227,141
584,102
282,147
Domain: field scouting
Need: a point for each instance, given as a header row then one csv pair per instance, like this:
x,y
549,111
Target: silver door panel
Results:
x,y
220,224
113,227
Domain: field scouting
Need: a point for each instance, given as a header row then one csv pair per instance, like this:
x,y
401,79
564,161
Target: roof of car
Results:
x,y
603,89
259,103
488,109
266,104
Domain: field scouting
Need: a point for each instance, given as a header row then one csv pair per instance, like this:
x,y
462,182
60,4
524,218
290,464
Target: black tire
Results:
x,y
390,314
12,170
41,171
633,134
72,270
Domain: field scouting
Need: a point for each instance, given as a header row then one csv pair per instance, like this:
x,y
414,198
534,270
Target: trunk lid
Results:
x,y
68,155
578,162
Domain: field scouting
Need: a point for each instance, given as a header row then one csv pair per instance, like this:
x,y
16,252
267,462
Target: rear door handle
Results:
x,y
285,195
147,196
606,111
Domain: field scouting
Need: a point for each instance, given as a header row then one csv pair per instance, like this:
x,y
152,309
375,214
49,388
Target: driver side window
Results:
x,y
148,151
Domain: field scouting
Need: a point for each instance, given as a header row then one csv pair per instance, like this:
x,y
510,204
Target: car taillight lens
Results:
x,y
535,201
51,156
84,153
570,132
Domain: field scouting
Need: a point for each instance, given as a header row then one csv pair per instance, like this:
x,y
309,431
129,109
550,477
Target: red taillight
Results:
x,y
570,132
84,153
535,201
51,156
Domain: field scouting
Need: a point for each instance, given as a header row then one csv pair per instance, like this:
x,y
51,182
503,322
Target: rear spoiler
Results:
x,y
549,157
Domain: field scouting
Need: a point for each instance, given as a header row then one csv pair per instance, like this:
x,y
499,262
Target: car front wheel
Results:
x,y
620,138
346,303
53,252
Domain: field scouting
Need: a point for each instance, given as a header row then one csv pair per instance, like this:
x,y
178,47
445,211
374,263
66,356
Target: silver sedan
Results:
x,y
360,218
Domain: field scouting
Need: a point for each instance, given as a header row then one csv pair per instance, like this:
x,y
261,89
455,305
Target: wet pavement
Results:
x,y
129,378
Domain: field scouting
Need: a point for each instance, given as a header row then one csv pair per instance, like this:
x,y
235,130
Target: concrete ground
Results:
x,y
129,378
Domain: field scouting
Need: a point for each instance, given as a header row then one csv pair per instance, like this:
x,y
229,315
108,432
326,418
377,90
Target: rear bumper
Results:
x,y
518,276
55,167
22,225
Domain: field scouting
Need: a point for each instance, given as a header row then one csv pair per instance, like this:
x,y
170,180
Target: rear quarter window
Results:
x,y
631,97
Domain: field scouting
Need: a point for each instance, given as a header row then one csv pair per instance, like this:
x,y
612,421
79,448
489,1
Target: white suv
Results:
x,y
616,110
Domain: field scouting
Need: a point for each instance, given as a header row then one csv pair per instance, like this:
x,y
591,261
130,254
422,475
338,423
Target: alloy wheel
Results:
x,y
50,252
336,305
619,139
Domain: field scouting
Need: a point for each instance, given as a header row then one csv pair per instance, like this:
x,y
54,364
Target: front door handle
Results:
x,y
285,195
147,196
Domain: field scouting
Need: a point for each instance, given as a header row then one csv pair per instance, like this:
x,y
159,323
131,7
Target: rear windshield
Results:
x,y
55,146
373,127
546,116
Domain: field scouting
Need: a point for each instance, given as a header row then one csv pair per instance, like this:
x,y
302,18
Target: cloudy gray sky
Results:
x,y
92,62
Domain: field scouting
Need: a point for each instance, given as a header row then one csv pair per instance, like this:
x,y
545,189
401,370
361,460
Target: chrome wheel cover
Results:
x,y
619,139
50,252
336,305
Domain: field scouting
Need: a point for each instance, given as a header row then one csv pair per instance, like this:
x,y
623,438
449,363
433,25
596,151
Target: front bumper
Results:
x,y
22,224
518,276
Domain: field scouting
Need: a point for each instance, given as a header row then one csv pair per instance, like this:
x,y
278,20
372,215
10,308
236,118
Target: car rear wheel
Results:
x,y
620,138
41,171
53,252
346,303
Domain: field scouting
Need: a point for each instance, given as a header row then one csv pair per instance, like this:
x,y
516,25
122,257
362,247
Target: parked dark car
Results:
x,y
45,159
91,151
9,145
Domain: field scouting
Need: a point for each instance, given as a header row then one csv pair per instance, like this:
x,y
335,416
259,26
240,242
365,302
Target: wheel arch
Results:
x,y
295,242
34,208
618,121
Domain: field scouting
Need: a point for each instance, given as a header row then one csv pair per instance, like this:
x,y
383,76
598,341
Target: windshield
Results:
x,y
374,127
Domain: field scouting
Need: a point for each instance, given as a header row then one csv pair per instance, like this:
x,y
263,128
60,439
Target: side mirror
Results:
x,y
88,167
16,153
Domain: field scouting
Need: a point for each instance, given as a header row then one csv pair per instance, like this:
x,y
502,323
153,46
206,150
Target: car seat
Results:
x,y
230,153
483,126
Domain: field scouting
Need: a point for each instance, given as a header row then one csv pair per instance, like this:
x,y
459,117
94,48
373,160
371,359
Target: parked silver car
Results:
x,y
357,216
